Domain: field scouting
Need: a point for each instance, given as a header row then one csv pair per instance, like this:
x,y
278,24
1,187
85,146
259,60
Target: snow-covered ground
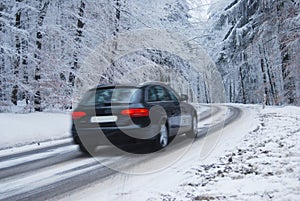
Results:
x,y
33,129
257,157
264,165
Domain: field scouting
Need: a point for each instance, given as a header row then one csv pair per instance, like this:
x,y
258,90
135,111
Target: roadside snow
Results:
x,y
24,129
255,158
264,166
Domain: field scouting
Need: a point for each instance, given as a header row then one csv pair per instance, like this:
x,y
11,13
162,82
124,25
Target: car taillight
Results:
x,y
136,112
78,115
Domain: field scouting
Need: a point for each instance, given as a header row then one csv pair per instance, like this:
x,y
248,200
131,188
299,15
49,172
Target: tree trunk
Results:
x,y
265,97
37,55
77,42
115,36
79,31
17,60
242,77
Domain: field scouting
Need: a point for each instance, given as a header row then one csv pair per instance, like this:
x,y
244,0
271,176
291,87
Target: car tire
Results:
x,y
162,139
194,131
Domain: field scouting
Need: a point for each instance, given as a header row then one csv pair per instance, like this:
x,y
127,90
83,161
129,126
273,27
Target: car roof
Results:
x,y
130,85
154,83
114,85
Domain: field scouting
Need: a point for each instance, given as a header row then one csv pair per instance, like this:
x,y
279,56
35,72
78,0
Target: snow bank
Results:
x,y
264,166
23,129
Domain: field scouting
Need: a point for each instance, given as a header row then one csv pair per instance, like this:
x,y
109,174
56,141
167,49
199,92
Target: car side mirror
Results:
x,y
184,97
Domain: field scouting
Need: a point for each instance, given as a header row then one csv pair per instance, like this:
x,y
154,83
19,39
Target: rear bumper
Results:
x,y
113,135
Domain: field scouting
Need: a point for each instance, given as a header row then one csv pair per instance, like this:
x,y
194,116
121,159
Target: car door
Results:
x,y
160,96
186,117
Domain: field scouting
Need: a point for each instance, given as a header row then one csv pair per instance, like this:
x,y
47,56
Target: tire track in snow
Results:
x,y
67,171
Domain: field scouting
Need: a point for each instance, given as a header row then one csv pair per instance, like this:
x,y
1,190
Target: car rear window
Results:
x,y
110,95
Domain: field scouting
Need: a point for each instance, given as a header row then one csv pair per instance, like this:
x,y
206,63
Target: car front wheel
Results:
x,y
194,128
163,138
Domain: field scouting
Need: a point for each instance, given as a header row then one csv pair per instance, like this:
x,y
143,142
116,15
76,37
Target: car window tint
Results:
x,y
152,95
121,95
162,94
110,95
172,96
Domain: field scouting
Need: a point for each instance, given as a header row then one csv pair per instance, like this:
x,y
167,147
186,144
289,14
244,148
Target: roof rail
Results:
x,y
154,82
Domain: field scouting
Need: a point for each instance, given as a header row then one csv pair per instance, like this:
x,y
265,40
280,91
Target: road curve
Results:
x,y
48,172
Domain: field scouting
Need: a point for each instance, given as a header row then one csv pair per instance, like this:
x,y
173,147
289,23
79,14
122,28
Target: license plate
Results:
x,y
103,119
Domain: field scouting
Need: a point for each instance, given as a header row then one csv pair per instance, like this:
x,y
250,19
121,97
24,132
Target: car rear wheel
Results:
x,y
194,131
163,137
86,150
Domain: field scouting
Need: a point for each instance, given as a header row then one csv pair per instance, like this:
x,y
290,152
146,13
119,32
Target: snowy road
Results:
x,y
59,169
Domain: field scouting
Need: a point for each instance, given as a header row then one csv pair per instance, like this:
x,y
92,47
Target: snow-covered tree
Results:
x,y
44,43
45,48
255,45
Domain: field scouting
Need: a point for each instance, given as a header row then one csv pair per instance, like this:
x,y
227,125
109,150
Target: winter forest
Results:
x,y
52,51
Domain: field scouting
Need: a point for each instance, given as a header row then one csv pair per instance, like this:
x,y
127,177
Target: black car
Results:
x,y
126,114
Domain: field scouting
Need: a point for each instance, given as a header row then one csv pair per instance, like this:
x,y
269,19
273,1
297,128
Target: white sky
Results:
x,y
199,9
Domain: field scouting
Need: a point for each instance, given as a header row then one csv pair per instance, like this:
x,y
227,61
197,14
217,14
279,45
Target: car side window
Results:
x,y
152,95
159,93
173,96
162,94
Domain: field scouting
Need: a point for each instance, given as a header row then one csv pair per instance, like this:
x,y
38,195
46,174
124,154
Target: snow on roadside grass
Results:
x,y
24,129
265,166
